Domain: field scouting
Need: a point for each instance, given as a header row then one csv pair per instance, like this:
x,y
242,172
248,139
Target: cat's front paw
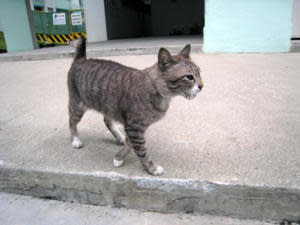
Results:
x,y
159,170
118,163
76,143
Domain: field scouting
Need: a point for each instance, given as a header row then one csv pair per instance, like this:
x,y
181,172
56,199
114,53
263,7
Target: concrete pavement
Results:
x,y
22,210
232,151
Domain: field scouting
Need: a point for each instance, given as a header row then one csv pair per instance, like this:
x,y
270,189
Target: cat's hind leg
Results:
x,y
114,129
120,156
76,112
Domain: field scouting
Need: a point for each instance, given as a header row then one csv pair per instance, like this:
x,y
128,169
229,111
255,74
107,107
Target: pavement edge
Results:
x,y
33,55
155,194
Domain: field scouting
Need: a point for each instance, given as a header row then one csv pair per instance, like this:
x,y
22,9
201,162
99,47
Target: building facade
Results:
x,y
226,26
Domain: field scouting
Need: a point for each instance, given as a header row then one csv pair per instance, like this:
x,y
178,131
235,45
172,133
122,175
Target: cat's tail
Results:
x,y
80,49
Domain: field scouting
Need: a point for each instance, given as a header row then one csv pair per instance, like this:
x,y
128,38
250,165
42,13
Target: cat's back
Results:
x,y
91,76
103,84
90,67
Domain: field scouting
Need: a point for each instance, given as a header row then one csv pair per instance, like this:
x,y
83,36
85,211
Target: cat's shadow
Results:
x,y
93,140
110,141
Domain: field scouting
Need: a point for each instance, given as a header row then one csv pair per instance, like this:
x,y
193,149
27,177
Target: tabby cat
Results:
x,y
132,97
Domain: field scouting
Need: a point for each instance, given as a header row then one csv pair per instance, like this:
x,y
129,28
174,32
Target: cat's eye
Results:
x,y
189,77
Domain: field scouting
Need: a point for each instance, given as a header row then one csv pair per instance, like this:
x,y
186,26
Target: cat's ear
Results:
x,y
165,59
185,52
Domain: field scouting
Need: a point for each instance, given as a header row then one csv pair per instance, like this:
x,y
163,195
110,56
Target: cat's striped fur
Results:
x,y
135,98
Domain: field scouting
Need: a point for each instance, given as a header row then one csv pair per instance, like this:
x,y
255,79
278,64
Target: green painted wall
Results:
x,y
247,25
15,22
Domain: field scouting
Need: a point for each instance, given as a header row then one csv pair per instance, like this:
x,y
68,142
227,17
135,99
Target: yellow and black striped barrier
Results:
x,y
59,38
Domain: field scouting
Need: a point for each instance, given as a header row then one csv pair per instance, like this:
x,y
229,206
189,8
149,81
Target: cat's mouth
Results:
x,y
192,93
189,95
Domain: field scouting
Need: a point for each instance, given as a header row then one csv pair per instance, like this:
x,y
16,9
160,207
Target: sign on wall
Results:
x,y
76,18
59,19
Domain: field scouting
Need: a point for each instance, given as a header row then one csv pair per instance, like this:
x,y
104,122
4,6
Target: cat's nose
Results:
x,y
200,86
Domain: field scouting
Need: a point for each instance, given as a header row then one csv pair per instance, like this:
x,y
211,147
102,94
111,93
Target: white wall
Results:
x,y
95,20
49,4
75,4
296,19
31,5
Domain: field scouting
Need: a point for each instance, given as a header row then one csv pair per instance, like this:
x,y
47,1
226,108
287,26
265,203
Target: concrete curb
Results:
x,y
98,52
155,194
33,55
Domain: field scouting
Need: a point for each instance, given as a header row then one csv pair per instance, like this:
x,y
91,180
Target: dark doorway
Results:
x,y
144,18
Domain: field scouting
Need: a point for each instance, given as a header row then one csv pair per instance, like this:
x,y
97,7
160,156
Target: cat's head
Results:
x,y
179,73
